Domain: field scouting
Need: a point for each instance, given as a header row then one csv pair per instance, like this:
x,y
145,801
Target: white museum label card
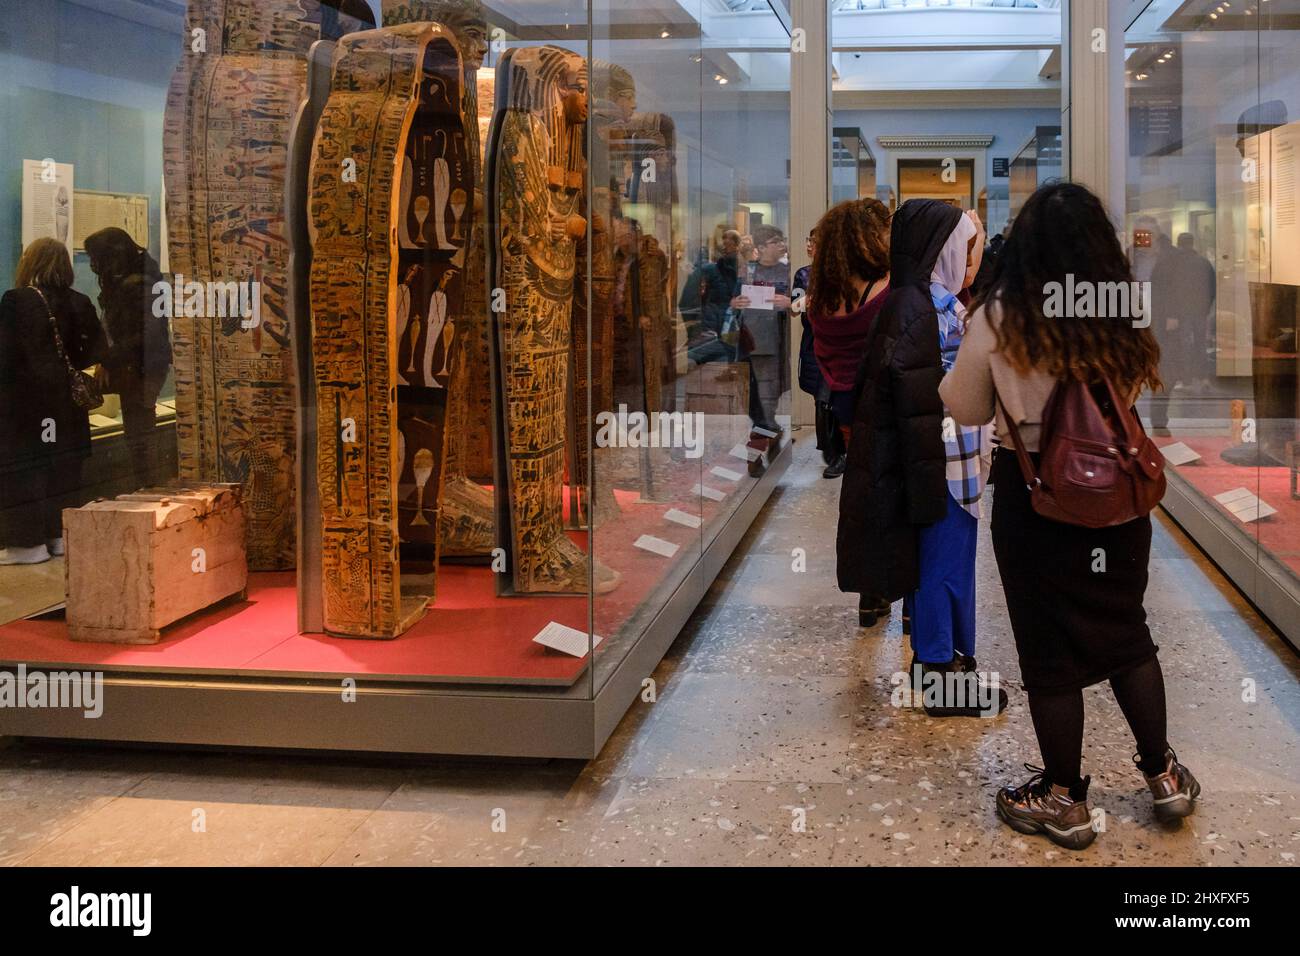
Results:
x,y
1253,511
1225,498
745,453
682,517
568,640
47,201
759,296
726,474
1243,504
1180,453
649,542
713,494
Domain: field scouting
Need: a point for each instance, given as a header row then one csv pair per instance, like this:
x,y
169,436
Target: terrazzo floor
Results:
x,y
772,741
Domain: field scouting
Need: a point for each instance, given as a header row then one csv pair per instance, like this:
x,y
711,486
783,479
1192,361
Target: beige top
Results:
x,y
982,372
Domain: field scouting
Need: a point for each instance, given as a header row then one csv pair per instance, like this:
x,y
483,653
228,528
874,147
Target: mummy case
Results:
x,y
391,170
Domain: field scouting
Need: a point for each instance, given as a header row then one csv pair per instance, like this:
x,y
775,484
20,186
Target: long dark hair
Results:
x,y
852,242
127,275
1063,229
114,256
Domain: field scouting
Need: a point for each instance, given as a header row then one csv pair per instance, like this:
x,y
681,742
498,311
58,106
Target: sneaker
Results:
x,y
55,547
1174,791
836,468
37,554
1041,807
955,689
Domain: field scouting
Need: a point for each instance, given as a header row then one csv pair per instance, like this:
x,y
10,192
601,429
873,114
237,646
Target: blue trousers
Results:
x,y
942,608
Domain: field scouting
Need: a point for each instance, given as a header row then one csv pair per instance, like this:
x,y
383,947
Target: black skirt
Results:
x,y
1074,594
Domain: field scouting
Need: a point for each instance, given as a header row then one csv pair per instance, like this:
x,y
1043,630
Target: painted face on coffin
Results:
x,y
573,95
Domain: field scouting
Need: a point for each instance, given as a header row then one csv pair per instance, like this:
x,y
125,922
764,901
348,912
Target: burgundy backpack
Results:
x,y
1097,467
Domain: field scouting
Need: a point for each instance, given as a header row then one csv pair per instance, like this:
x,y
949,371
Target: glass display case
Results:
x,y
1037,161
440,348
853,167
1213,103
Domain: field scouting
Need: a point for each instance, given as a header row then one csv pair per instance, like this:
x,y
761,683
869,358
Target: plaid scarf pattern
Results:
x,y
965,446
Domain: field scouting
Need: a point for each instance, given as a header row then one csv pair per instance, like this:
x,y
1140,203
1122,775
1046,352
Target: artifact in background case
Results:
x,y
142,561
466,527
536,174
389,161
613,97
642,153
650,143
225,142
1237,415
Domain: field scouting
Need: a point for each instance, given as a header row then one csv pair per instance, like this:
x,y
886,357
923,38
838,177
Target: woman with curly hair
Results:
x,y
846,288
847,285
1075,623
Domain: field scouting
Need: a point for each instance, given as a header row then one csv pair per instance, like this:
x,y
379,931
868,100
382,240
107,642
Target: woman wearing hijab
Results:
x,y
906,529
139,354
46,330
941,610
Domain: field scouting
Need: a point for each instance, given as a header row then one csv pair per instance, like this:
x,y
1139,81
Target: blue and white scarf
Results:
x,y
965,446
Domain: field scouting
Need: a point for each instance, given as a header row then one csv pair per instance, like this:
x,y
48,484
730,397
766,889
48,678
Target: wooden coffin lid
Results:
x,y
173,506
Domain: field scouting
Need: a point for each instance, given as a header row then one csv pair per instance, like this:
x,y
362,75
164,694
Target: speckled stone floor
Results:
x,y
772,741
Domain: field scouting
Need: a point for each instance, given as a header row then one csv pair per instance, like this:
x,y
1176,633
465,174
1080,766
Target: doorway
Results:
x,y
946,179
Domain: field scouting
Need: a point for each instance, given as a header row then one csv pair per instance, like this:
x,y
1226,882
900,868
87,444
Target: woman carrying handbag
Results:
x,y
48,334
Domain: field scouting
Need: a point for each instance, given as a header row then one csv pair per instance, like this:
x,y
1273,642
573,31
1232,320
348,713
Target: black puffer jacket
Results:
x,y
894,483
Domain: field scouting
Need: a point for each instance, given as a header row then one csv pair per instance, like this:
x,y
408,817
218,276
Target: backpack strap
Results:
x,y
1134,436
1032,480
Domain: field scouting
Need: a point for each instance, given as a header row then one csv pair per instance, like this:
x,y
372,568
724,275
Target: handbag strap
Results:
x,y
1026,463
54,327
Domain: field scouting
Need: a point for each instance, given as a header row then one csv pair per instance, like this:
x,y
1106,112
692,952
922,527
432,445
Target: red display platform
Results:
x,y
1278,534
468,635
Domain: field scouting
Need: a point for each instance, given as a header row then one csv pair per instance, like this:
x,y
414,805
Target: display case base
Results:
x,y
1261,578
244,708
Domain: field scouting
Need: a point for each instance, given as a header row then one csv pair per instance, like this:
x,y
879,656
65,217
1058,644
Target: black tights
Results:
x,y
1058,722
